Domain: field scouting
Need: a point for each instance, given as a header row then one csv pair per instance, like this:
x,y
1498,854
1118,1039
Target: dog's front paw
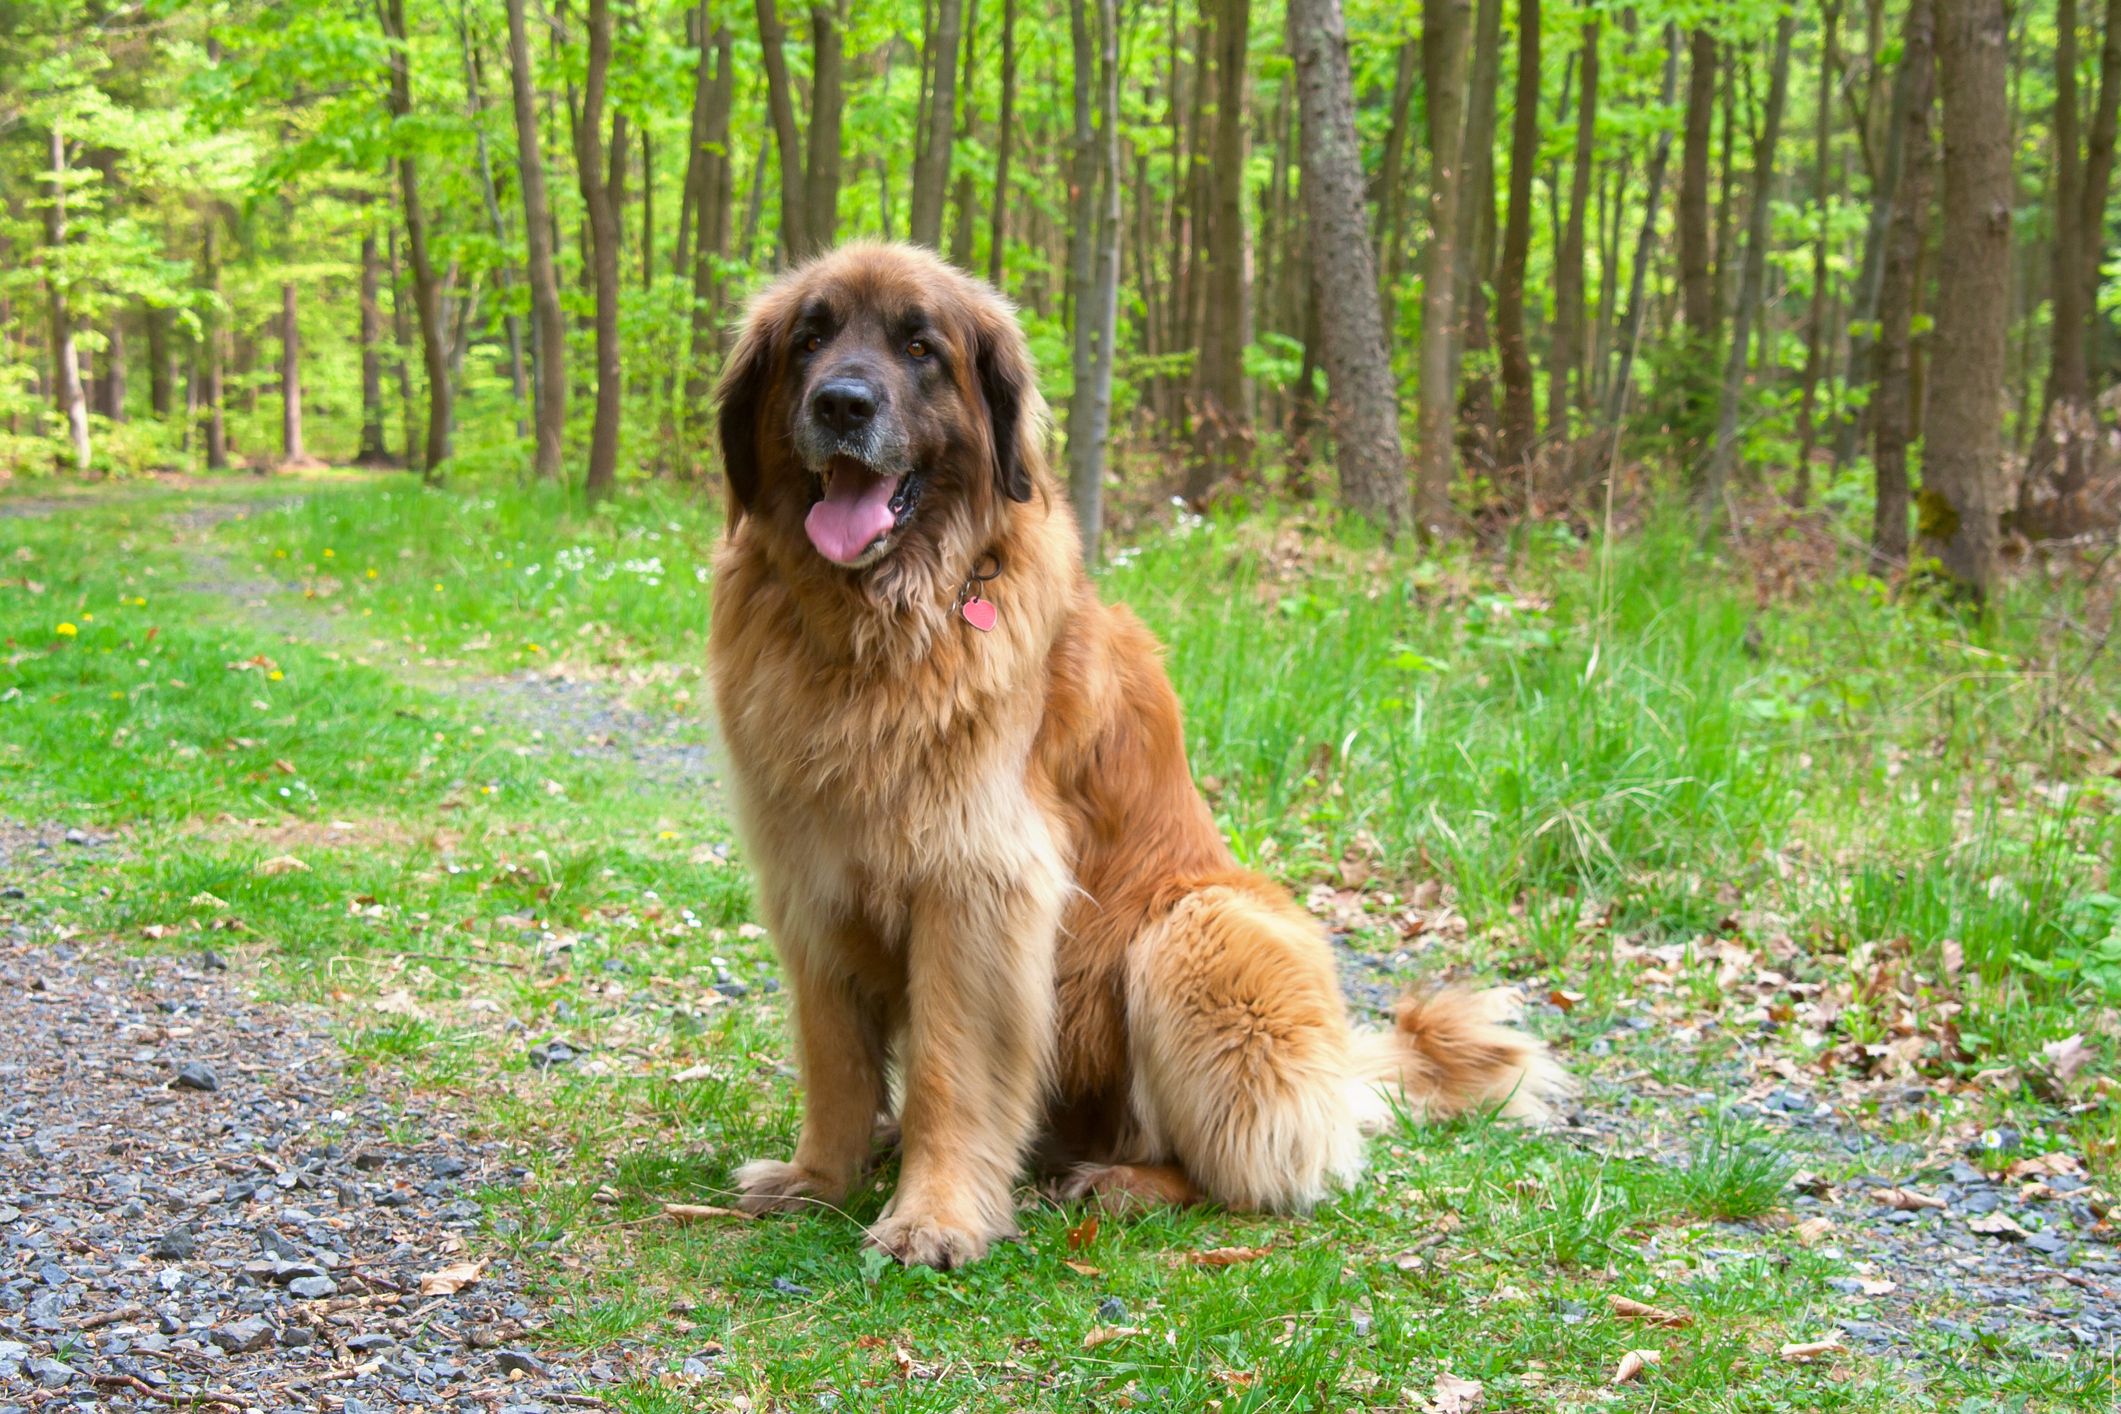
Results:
x,y
921,1241
770,1186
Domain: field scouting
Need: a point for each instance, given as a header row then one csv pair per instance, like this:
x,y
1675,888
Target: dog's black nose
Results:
x,y
845,405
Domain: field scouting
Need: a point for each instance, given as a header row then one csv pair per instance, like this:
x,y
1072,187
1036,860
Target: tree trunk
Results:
x,y
161,370
1752,283
1390,215
780,102
292,452
821,217
212,337
1364,408
715,190
1446,26
1892,403
1519,427
931,164
1817,335
602,477
1222,427
372,451
1957,513
1476,240
426,299
1096,298
1566,357
475,91
110,371
964,198
548,324
1697,281
647,209
1629,337
66,357
1005,135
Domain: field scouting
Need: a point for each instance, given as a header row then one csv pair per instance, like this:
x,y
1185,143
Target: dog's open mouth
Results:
x,y
857,510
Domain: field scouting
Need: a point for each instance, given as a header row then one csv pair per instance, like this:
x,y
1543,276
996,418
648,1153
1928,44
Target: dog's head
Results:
x,y
881,405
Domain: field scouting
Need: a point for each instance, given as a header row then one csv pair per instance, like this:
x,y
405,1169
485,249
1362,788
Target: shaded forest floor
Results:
x,y
398,810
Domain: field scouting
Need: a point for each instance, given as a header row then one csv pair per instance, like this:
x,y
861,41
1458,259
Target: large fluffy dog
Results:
x,y
963,784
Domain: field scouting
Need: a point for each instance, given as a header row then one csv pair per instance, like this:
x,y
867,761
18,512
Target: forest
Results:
x,y
1726,255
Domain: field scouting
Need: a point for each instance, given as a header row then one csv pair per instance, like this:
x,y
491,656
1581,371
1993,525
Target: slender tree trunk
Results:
x,y
1817,336
1629,337
931,165
1446,26
1097,296
1476,241
780,103
1390,216
548,324
1752,285
292,452
474,90
647,209
161,370
66,357
1005,135
426,298
372,451
1222,426
1958,511
602,477
964,197
828,28
401,340
1364,408
212,336
1697,281
715,98
1893,407
1519,427
1566,358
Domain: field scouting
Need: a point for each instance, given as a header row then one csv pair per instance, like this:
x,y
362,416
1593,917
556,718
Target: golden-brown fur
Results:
x,y
982,856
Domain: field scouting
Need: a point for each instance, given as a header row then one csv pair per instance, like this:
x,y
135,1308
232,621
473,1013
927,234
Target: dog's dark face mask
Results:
x,y
871,397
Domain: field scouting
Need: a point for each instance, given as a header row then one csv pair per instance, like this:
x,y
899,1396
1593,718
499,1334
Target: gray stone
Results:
x,y
176,1245
50,1373
242,1337
511,1360
196,1075
313,1288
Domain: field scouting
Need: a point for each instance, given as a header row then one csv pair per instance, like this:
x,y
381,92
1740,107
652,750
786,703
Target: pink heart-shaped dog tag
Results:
x,y
980,613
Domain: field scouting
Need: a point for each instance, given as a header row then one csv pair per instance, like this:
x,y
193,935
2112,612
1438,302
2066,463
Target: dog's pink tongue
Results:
x,y
855,511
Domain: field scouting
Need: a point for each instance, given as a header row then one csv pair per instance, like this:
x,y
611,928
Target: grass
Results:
x,y
1614,773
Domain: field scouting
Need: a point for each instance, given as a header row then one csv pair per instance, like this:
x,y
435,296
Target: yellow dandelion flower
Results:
x,y
371,571
88,618
276,675
66,630
533,648
279,554
117,696
438,586
330,553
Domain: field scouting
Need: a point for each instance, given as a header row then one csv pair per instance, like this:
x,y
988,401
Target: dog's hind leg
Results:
x,y
1239,1046
1126,1189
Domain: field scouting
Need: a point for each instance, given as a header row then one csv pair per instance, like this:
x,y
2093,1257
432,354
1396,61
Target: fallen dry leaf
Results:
x,y
1099,1335
280,864
451,1279
1632,1310
1565,1000
1812,1231
693,1072
1224,1256
1082,1268
1633,1364
2053,1162
1082,1234
1909,1200
2066,1057
1876,1286
701,1212
1998,1225
1456,1396
1801,1352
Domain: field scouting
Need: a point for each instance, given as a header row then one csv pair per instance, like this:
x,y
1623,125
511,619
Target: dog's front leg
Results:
x,y
839,1047
978,1041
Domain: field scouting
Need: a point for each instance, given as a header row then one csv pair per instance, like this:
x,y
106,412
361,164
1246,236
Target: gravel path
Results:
x,y
198,1208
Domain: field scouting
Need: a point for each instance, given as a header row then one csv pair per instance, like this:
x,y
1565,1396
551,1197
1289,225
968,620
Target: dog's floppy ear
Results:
x,y
738,394
1007,384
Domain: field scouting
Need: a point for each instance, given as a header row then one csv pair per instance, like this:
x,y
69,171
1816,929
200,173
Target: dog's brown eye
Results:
x,y
918,348
813,344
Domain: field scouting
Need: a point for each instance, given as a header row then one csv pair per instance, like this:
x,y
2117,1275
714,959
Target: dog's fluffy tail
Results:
x,y
1453,1051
